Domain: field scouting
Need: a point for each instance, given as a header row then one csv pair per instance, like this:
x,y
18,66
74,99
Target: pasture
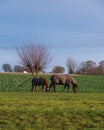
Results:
x,y
22,110
22,82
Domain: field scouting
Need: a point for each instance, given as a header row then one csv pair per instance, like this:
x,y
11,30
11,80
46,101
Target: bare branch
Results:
x,y
35,56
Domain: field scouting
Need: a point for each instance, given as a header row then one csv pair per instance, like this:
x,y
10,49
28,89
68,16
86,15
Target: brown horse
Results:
x,y
63,79
39,82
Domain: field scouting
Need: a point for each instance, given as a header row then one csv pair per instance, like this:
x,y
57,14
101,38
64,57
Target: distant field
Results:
x,y
22,110
22,82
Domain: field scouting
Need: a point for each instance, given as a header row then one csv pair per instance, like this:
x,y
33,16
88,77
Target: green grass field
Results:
x,y
51,111
22,82
22,110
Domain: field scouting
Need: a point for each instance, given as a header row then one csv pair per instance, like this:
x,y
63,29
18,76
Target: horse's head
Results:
x,y
47,89
75,86
46,84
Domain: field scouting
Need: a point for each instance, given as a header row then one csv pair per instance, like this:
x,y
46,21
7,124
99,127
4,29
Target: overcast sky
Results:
x,y
71,28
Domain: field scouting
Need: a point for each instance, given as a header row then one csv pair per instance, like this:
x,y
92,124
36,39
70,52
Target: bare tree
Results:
x,y
71,64
34,56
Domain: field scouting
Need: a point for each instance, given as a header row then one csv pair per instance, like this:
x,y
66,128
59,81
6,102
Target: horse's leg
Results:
x,y
50,86
64,88
68,88
35,88
42,88
32,89
47,88
54,87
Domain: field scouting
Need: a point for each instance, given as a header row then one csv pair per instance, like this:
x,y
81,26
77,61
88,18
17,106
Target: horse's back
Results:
x,y
60,79
37,81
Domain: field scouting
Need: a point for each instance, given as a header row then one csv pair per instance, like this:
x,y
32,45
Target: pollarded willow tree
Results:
x,y
36,57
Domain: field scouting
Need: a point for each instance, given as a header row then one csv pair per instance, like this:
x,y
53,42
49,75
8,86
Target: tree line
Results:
x,y
86,68
35,58
17,68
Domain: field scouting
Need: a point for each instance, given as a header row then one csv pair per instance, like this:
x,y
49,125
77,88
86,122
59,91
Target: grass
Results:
x,y
22,110
51,111
22,82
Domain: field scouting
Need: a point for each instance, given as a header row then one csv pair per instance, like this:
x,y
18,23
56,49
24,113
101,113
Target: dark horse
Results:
x,y
63,79
39,82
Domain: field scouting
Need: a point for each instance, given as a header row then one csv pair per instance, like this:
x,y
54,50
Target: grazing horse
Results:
x,y
39,82
63,79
